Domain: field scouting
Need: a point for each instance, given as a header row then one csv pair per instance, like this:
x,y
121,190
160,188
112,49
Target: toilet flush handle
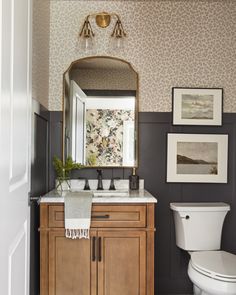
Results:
x,y
184,216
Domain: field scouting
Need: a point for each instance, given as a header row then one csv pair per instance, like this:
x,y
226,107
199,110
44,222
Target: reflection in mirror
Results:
x,y
100,112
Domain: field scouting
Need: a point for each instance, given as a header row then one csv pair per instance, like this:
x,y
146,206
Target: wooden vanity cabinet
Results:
x,y
117,259
70,267
122,267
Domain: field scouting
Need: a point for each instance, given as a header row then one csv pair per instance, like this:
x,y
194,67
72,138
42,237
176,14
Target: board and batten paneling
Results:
x,y
39,184
171,262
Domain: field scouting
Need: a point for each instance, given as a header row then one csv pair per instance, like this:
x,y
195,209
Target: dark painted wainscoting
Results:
x,y
45,126
39,184
170,262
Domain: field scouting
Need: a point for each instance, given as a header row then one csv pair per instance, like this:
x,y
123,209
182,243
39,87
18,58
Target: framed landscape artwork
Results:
x,y
197,106
197,158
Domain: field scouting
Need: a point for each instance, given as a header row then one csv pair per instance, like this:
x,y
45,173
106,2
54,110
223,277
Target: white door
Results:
x,y
78,123
15,107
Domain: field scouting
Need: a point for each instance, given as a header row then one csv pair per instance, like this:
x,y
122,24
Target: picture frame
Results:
x,y
197,106
201,158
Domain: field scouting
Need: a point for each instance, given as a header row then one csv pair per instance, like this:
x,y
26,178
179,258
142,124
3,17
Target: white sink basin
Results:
x,y
109,193
106,193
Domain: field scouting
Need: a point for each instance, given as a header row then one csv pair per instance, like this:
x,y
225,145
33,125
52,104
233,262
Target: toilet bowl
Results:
x,y
213,273
198,229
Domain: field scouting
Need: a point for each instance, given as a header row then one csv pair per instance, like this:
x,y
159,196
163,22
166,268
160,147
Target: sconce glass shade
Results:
x,y
117,43
86,44
86,36
117,37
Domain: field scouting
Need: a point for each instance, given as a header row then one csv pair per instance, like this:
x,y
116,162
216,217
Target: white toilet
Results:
x,y
198,229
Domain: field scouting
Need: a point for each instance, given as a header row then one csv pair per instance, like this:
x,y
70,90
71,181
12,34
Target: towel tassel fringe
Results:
x,y
77,233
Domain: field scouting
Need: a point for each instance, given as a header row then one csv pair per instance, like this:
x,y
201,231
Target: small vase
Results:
x,y
63,184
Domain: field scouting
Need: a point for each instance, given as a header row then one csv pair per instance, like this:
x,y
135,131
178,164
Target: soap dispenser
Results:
x,y
134,180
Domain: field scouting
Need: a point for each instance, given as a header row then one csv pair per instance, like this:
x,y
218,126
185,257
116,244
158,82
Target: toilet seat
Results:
x,y
209,285
219,265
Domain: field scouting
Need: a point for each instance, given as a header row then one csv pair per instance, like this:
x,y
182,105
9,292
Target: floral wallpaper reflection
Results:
x,y
104,136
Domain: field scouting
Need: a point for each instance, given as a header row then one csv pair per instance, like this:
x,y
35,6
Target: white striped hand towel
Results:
x,y
78,214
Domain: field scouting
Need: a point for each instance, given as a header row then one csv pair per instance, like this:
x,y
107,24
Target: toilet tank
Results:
x,y
198,226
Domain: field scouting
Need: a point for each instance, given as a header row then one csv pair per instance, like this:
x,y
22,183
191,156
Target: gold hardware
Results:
x,y
118,31
103,19
86,30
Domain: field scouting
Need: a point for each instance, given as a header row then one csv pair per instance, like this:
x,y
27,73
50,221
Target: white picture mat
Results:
x,y
177,106
222,156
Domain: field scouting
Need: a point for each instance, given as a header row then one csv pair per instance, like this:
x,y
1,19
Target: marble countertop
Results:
x,y
136,196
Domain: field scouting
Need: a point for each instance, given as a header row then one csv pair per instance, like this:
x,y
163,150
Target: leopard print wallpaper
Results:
x,y
170,43
40,50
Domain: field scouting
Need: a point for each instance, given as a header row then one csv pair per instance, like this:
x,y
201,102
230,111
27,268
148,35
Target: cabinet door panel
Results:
x,y
71,269
122,269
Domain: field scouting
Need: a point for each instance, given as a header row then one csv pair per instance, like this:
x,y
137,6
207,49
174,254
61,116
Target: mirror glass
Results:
x,y
100,112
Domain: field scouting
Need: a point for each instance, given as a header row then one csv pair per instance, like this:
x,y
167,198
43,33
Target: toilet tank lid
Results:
x,y
183,207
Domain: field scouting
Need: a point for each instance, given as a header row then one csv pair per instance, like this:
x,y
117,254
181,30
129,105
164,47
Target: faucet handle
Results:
x,y
99,171
100,184
86,184
112,184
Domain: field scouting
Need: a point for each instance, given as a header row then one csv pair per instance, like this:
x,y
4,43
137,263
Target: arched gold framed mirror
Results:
x,y
100,112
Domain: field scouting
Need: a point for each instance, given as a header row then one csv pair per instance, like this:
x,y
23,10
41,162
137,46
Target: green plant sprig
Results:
x,y
63,170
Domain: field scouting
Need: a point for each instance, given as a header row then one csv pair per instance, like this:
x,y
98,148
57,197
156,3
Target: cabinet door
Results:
x,y
121,262
72,265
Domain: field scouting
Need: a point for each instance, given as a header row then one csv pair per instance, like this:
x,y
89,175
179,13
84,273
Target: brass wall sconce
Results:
x,y
103,19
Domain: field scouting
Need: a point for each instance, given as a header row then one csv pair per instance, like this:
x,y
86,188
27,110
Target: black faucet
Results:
x,y
100,185
86,184
112,184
